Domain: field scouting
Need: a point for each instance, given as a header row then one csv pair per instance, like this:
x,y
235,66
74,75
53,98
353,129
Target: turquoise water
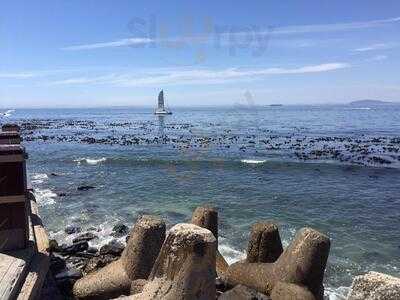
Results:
x,y
334,168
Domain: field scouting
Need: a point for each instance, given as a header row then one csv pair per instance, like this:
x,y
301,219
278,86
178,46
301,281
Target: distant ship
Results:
x,y
274,105
161,110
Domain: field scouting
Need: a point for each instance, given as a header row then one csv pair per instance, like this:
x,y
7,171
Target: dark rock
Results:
x,y
57,264
54,174
70,229
85,187
92,250
241,292
61,194
53,246
74,248
69,274
114,248
88,236
220,284
96,263
120,230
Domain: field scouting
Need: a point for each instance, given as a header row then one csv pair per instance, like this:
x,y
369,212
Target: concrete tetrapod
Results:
x,y
185,267
265,244
207,217
302,263
136,262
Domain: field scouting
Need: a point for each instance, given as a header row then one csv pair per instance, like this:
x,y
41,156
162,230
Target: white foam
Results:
x,y
253,161
339,293
90,161
230,254
39,178
45,197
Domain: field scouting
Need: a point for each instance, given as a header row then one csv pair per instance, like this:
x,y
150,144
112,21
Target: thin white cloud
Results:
x,y
21,75
225,32
334,27
379,46
378,58
196,76
117,43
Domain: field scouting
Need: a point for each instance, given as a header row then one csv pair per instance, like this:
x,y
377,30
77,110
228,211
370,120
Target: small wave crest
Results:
x,y
253,161
90,161
39,178
45,197
230,254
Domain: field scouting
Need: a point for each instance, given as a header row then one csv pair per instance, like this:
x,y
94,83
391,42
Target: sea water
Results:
x,y
333,168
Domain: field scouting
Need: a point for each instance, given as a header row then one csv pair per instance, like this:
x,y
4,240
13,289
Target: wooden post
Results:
x,y
10,138
14,206
10,127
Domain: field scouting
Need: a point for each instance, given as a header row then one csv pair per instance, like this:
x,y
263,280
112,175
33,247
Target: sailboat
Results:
x,y
161,110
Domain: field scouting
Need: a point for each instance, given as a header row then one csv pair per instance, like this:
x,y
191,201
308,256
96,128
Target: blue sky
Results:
x,y
105,53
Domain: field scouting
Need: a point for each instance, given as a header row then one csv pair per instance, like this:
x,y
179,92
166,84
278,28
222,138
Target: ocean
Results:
x,y
333,168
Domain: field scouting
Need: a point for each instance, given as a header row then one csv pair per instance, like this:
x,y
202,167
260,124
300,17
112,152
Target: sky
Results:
x,y
88,53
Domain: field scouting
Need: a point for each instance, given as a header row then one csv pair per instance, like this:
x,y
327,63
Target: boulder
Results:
x,y
113,248
70,229
302,263
136,262
289,291
120,230
85,237
241,292
375,286
265,244
98,262
74,248
185,267
207,217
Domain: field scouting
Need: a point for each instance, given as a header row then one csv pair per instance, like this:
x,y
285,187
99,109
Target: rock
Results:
x,y
289,291
61,194
92,250
74,248
207,217
220,284
303,263
375,286
70,229
85,187
53,246
241,292
136,262
265,244
185,267
88,236
69,274
114,248
120,230
57,264
98,262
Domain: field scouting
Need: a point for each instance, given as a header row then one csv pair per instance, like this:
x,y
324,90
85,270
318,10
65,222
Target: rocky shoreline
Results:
x,y
184,263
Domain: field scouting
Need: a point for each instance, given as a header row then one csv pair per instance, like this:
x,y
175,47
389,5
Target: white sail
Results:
x,y
161,110
161,100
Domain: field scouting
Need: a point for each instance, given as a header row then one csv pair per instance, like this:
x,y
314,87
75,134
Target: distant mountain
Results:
x,y
370,102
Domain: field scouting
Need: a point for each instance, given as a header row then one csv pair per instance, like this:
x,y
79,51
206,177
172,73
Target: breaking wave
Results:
x,y
45,197
90,161
253,161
